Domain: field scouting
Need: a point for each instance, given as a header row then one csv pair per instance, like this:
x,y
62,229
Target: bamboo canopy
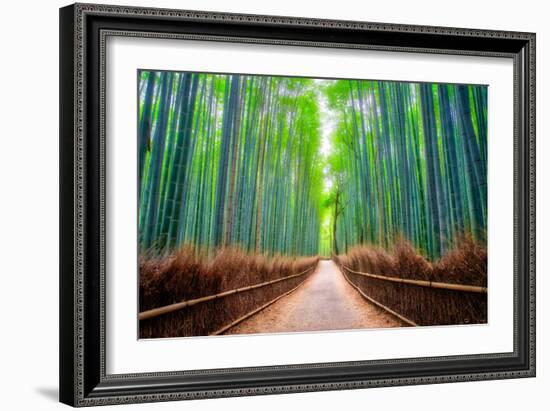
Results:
x,y
409,161
229,160
301,167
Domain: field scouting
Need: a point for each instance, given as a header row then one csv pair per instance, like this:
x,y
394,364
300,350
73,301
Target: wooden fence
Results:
x,y
421,302
423,283
215,307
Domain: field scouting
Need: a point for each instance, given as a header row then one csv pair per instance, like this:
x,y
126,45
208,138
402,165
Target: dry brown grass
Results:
x,y
187,274
465,264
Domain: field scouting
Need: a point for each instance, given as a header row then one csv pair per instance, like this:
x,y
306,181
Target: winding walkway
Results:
x,y
325,301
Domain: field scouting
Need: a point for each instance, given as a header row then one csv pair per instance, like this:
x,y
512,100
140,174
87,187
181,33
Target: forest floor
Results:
x,y
325,301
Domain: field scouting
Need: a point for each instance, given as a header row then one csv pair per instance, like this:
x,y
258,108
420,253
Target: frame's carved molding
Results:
x,y
525,137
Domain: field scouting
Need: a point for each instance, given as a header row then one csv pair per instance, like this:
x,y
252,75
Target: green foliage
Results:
x,y
236,161
410,161
302,167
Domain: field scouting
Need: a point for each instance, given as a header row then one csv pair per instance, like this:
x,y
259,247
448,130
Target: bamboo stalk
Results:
x,y
257,310
423,283
155,312
372,300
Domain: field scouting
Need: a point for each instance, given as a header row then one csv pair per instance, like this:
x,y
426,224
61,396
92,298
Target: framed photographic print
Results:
x,y
261,204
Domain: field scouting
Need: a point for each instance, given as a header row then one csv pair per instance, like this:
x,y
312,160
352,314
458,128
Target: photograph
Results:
x,y
288,200
276,204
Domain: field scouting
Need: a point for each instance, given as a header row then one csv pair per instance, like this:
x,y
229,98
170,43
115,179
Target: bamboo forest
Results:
x,y
243,160
294,168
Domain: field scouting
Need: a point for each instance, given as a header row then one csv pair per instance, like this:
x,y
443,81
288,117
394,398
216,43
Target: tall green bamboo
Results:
x,y
242,160
415,164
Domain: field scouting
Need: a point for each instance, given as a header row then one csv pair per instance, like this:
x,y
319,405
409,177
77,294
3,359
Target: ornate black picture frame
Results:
x,y
83,31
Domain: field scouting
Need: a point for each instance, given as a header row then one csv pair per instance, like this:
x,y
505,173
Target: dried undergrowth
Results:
x,y
187,274
464,264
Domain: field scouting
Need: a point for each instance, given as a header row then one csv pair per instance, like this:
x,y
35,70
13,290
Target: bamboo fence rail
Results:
x,y
155,312
379,304
423,283
251,313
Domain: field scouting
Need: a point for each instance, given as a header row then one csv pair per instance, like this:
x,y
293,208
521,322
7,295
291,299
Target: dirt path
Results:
x,y
324,302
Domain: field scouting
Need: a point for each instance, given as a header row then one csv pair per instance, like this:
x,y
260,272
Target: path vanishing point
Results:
x,y
325,301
